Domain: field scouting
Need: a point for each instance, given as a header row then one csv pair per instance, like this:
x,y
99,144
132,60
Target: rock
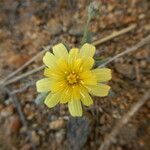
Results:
x,y
14,124
35,138
127,134
7,111
54,27
41,133
147,27
36,20
26,147
78,132
76,30
148,104
126,70
105,119
116,114
23,129
17,60
141,16
60,136
57,124
1,107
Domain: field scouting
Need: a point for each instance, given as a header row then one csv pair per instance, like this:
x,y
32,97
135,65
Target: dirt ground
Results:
x,y
26,27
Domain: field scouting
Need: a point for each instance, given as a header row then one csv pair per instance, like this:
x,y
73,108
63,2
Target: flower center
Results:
x,y
72,78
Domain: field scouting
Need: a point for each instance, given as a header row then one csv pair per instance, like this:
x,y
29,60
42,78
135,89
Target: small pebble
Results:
x,y
26,147
126,70
35,138
54,27
14,124
57,124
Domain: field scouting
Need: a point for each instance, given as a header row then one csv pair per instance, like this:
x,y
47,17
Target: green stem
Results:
x,y
86,32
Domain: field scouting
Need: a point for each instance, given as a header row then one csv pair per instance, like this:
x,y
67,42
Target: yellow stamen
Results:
x,y
73,78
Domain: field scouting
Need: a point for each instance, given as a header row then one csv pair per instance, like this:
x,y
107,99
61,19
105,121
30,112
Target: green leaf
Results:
x,y
111,93
100,60
92,11
40,98
87,38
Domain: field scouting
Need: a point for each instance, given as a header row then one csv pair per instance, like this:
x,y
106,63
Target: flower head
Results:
x,y
71,79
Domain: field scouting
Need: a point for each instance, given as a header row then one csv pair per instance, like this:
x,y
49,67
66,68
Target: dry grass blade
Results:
x,y
23,75
21,115
26,64
124,120
109,37
134,48
24,88
115,34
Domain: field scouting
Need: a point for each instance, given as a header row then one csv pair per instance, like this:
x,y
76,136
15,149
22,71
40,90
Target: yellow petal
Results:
x,y
73,55
53,74
43,85
60,51
65,96
49,60
75,108
77,65
87,78
75,92
87,50
58,86
52,100
86,98
101,90
88,63
47,72
63,65
102,74
74,52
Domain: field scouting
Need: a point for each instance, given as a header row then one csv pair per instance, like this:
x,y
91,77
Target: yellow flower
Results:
x,y
71,79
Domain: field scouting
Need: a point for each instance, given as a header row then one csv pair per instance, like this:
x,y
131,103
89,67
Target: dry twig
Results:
x,y
115,34
134,48
21,115
17,78
26,64
109,37
124,120
22,89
